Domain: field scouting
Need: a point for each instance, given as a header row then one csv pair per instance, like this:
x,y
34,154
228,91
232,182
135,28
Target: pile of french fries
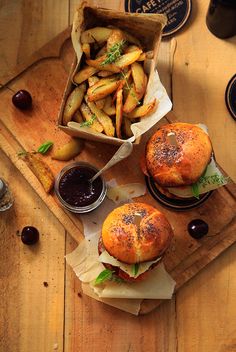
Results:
x,y
111,83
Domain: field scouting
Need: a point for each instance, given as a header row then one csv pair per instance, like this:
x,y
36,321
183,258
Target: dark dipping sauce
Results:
x,y
75,189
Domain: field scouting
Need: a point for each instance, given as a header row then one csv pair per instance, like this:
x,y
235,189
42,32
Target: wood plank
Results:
x,y
92,326
11,148
204,67
206,317
32,314
25,27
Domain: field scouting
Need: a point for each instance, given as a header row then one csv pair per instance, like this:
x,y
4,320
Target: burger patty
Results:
x,y
121,273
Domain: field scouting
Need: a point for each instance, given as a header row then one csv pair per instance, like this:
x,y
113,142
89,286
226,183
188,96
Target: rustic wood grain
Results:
x,y
25,27
186,257
32,314
205,308
91,326
197,317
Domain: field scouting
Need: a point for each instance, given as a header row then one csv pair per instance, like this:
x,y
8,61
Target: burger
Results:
x,y
134,239
179,159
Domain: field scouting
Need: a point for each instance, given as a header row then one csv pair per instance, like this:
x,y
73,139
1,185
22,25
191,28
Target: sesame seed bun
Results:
x,y
179,161
135,233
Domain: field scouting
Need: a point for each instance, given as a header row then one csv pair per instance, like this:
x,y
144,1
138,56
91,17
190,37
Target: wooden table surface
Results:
x,y
42,308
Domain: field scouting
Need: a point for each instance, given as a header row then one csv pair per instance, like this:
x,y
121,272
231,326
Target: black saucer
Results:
x,y
172,203
230,96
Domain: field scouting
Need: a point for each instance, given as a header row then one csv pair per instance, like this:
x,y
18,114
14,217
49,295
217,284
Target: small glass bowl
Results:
x,y
79,209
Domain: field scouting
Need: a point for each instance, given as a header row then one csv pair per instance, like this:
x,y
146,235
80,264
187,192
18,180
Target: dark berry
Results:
x,y
29,235
198,228
22,100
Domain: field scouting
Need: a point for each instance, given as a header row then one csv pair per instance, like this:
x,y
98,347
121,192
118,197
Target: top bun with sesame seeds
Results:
x,y
177,154
136,233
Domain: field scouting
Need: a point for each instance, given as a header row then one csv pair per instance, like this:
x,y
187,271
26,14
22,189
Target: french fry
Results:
x,y
84,74
144,56
41,170
73,103
95,35
103,118
104,73
77,117
86,50
132,100
88,115
99,65
127,59
116,36
102,91
119,112
102,88
128,37
105,80
109,108
143,110
131,48
92,80
69,150
102,51
138,77
100,103
127,88
120,86
122,83
126,124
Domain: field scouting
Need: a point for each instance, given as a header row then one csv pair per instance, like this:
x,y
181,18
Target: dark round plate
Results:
x,y
230,96
176,11
175,204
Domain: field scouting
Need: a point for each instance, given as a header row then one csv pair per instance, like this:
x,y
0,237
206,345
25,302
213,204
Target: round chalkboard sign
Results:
x,y
230,96
177,11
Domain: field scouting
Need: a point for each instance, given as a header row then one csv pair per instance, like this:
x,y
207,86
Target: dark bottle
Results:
x,y
221,18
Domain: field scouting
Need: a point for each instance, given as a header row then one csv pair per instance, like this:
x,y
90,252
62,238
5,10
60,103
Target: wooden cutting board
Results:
x,y
46,78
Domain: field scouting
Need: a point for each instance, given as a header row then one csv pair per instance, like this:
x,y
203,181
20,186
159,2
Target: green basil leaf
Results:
x,y
43,149
135,269
195,190
104,276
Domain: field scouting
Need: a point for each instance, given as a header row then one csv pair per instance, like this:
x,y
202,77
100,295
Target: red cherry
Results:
x,y
22,100
29,235
198,228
